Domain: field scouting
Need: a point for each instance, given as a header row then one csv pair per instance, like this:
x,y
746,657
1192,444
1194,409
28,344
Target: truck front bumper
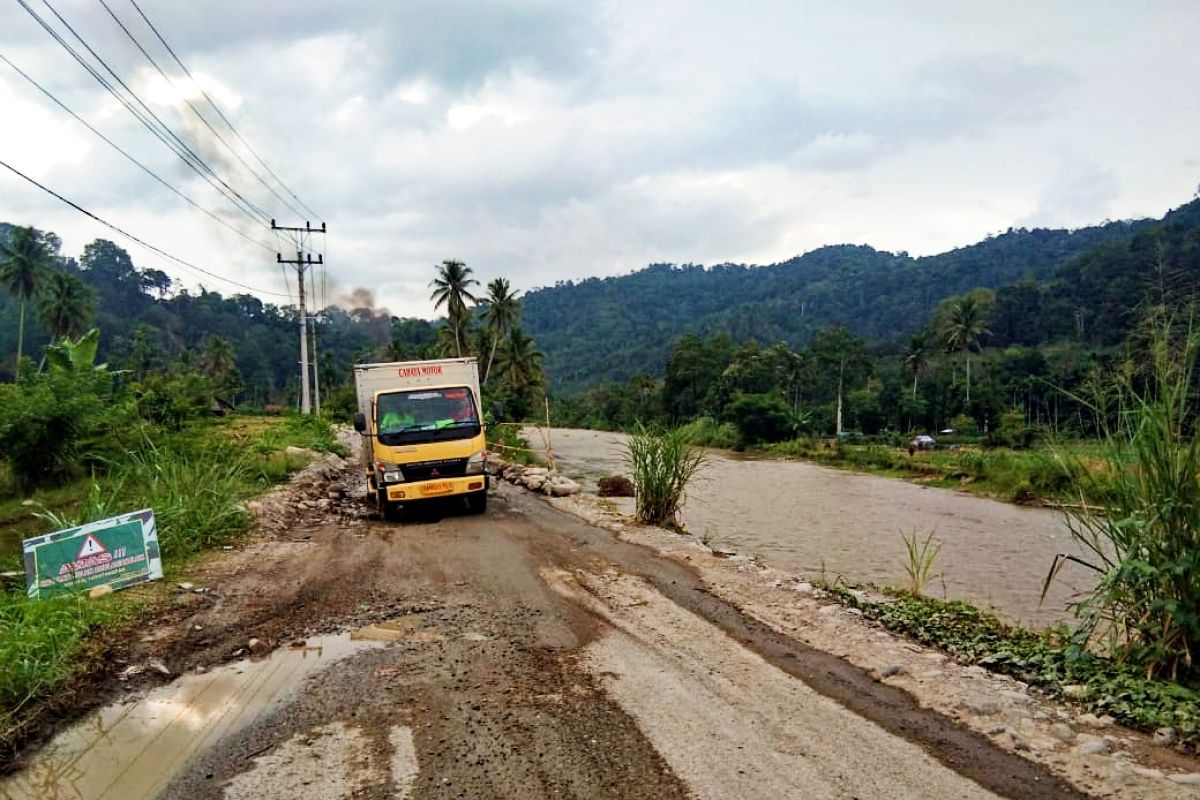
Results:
x,y
427,490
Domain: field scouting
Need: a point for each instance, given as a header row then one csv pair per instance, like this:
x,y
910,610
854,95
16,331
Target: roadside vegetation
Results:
x,y
81,443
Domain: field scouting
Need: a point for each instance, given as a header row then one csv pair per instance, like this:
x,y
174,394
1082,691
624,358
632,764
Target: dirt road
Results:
x,y
522,653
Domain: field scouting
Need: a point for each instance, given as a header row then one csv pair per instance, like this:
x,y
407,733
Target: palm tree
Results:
x,y
503,310
520,364
964,326
916,358
218,359
65,304
23,260
452,288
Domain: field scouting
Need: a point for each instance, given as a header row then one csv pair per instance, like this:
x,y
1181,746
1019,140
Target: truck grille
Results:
x,y
432,470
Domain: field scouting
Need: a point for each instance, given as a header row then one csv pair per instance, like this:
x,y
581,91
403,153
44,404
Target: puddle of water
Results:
x,y
131,750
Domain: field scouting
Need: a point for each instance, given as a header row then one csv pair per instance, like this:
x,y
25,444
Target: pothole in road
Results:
x,y
132,749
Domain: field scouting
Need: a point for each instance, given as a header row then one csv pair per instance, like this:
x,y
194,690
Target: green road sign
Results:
x,y
116,552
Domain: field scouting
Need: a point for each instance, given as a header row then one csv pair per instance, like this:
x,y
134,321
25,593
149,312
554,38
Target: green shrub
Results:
x,y
1144,543
57,423
707,432
760,418
663,464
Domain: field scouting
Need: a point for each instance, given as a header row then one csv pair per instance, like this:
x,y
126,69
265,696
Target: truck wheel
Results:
x,y
477,502
387,509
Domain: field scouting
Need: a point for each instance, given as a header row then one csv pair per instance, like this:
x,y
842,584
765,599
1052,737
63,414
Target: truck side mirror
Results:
x,y
360,422
497,410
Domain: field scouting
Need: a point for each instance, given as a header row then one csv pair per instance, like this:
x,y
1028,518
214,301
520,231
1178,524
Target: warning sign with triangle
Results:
x,y
91,547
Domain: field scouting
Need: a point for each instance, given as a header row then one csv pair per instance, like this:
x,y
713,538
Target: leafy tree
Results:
x,y
65,304
452,289
24,259
843,356
502,312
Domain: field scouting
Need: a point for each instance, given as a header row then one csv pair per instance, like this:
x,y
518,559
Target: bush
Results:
x,y
1011,431
760,418
663,464
173,400
707,432
57,423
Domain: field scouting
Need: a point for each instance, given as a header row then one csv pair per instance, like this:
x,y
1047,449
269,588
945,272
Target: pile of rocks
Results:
x,y
535,479
326,486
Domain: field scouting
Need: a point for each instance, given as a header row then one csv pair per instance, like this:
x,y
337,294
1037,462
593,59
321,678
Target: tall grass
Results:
x,y
1144,545
663,464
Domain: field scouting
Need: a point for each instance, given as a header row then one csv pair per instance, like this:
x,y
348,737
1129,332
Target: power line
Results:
x,y
125,153
195,110
162,131
220,113
166,128
126,234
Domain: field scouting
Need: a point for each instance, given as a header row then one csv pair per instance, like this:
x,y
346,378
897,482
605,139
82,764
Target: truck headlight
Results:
x,y
476,463
390,473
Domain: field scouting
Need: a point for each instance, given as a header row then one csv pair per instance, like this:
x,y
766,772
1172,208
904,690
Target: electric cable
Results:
x,y
195,110
162,131
220,113
126,234
125,153
166,128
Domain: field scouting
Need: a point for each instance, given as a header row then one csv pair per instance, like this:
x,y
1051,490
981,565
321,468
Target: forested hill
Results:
x,y
606,329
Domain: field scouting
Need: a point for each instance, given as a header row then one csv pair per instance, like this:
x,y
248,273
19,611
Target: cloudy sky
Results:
x,y
544,140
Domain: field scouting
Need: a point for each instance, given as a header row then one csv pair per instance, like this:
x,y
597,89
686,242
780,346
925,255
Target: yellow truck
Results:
x,y
423,432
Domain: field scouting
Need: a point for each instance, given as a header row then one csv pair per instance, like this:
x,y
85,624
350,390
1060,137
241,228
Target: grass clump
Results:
x,y
921,556
663,464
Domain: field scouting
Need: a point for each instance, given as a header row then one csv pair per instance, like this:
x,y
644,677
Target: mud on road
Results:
x,y
522,653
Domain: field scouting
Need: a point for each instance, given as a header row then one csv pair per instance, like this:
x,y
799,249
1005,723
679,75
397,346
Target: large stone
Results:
x,y
1186,778
1092,747
563,487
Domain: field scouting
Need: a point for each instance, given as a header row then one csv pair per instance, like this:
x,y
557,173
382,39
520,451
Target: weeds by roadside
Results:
x,y
196,480
1050,661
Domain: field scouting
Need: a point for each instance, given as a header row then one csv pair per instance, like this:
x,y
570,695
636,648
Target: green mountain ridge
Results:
x,y
606,329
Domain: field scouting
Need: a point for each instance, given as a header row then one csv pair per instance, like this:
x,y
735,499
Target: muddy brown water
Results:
x,y
814,520
132,749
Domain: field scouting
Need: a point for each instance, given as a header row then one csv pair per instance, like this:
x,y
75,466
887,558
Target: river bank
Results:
x,y
827,523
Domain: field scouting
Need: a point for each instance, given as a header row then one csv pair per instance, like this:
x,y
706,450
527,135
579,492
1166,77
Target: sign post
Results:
x,y
116,552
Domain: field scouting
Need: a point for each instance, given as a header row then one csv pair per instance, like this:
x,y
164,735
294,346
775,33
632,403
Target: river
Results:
x,y
814,520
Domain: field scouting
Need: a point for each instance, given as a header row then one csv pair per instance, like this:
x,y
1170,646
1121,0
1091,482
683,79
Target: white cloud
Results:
x,y
544,141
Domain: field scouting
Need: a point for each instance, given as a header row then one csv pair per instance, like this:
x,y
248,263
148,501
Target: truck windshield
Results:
x,y
427,415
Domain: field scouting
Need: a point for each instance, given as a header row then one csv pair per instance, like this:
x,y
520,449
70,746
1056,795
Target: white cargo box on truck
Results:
x,y
370,379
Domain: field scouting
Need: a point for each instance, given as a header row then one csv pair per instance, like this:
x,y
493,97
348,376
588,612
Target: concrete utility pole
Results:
x,y
302,262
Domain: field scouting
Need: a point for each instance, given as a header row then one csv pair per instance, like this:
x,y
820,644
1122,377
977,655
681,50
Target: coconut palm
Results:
x,y
965,324
452,289
503,310
916,357
218,359
520,363
24,258
65,304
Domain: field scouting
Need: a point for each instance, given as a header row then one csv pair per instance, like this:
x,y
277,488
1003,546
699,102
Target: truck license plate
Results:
x,y
441,487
